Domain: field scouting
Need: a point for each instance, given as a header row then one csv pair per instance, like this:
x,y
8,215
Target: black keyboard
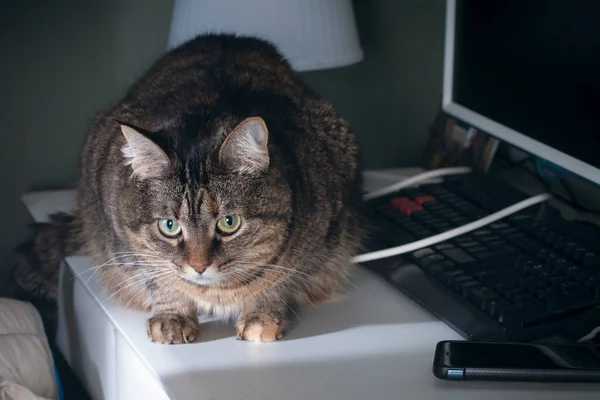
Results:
x,y
522,278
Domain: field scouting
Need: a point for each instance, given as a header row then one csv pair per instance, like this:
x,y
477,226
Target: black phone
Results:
x,y
462,360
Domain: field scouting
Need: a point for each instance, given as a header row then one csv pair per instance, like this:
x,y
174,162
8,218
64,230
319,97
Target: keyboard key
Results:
x,y
467,244
490,238
522,218
463,286
405,205
422,233
449,277
529,246
431,259
495,307
458,256
567,300
475,249
482,297
438,268
422,253
569,248
498,256
520,313
590,259
424,199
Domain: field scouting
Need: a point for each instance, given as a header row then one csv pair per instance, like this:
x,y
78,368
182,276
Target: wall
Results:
x,y
392,96
61,61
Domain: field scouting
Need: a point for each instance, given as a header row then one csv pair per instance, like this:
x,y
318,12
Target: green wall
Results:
x,y
61,61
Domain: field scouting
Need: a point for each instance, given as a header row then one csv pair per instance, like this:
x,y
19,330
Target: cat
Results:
x,y
220,183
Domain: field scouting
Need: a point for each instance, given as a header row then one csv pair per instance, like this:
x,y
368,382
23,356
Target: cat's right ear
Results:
x,y
146,158
245,149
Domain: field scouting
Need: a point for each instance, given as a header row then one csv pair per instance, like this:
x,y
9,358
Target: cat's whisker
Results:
x,y
274,266
273,275
298,275
136,254
171,275
150,298
143,274
112,261
137,264
287,305
141,281
98,266
125,264
270,290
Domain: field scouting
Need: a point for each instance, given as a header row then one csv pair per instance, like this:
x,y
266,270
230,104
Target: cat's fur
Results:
x,y
221,125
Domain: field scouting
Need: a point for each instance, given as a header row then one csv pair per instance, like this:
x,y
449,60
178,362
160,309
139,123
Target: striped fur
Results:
x,y
300,210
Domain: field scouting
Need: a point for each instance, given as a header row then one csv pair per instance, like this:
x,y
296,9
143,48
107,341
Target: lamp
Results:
x,y
311,34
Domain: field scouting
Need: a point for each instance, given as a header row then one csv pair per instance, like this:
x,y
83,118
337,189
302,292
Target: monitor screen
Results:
x,y
528,72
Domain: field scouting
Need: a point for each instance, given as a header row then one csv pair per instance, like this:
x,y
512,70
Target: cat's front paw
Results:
x,y
172,329
257,327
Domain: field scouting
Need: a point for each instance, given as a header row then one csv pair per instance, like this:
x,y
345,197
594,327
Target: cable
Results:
x,y
590,336
461,230
436,173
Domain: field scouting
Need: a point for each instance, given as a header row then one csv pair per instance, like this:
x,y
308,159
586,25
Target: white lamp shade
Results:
x,y
311,34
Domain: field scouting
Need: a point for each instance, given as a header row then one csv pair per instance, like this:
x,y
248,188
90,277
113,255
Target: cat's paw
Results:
x,y
257,327
172,329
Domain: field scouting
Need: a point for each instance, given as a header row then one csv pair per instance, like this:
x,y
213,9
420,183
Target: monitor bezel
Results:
x,y
494,128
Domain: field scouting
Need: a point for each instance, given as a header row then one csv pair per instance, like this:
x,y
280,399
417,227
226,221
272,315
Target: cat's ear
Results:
x,y
146,158
245,149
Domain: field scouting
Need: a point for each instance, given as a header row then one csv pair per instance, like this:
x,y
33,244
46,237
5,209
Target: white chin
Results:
x,y
205,279
200,280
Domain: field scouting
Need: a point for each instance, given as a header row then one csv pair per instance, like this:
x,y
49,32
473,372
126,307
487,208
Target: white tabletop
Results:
x,y
373,344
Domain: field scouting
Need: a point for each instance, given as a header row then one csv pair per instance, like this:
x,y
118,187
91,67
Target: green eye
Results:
x,y
229,224
169,227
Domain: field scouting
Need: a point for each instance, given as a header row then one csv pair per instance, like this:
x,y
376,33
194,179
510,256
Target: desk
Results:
x,y
375,343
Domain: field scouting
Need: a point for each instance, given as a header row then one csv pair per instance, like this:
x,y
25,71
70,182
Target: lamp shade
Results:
x,y
311,34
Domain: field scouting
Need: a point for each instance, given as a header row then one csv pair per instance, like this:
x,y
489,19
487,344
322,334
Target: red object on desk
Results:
x,y
424,199
405,205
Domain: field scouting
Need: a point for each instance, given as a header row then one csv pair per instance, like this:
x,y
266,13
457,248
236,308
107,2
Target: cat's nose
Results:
x,y
199,268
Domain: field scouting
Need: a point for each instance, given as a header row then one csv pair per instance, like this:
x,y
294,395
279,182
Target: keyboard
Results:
x,y
522,278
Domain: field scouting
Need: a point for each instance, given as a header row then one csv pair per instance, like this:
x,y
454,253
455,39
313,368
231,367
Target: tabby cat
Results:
x,y
220,183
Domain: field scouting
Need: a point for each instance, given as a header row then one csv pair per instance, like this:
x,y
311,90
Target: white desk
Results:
x,y
374,344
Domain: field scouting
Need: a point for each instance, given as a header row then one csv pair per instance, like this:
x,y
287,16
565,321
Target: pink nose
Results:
x,y
200,268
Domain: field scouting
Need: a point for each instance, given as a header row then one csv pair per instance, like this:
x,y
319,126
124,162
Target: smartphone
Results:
x,y
462,360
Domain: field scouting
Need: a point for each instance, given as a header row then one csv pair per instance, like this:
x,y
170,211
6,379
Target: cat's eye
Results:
x,y
229,224
169,228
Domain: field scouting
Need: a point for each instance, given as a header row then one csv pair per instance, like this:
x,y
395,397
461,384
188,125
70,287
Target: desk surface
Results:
x,y
373,344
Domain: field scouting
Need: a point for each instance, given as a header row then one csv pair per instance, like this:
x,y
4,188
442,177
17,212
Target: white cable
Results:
x,y
461,230
591,335
436,173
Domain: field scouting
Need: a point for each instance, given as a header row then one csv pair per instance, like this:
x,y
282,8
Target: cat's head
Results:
x,y
214,212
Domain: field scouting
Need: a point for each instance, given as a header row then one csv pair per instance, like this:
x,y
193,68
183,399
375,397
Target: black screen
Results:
x,y
534,66
490,355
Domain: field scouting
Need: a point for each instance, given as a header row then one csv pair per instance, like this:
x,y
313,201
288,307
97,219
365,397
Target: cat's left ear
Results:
x,y
245,149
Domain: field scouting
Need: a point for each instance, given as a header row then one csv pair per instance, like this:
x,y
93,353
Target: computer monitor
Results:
x,y
528,73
